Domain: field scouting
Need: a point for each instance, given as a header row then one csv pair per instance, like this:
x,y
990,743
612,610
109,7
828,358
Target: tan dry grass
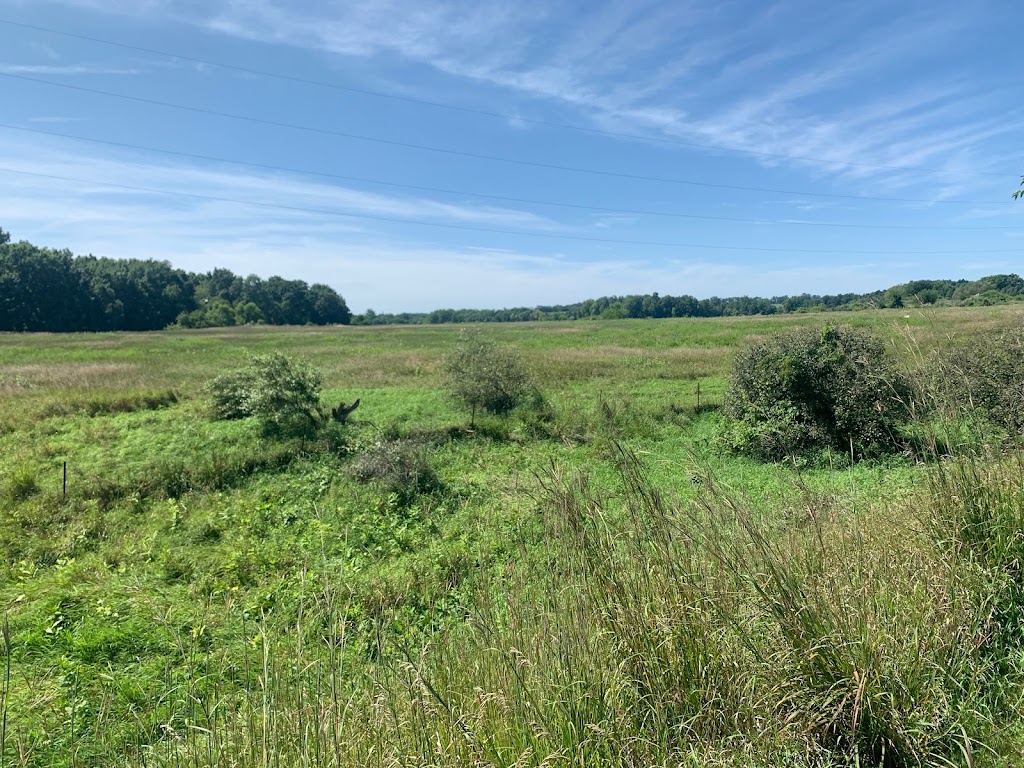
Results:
x,y
67,376
413,368
581,363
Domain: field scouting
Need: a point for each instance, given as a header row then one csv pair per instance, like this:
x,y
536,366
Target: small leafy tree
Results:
x,y
483,375
280,391
1020,192
816,388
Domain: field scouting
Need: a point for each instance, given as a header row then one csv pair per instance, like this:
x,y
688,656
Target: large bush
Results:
x,y
987,377
816,389
280,391
485,376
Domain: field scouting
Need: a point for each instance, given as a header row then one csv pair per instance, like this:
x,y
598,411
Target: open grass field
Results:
x,y
598,583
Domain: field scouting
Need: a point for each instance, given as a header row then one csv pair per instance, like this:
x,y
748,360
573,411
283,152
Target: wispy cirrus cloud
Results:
x,y
792,80
44,181
54,119
810,80
67,69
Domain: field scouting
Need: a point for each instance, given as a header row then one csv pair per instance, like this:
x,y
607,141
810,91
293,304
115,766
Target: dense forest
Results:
x,y
42,289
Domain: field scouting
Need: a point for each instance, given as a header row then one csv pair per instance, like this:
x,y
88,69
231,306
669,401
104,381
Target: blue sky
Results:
x,y
418,154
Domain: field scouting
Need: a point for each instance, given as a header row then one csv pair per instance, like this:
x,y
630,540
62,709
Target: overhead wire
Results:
x,y
488,113
500,198
494,230
482,156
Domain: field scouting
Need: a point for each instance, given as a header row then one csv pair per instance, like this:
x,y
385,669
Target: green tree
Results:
x,y
1020,192
5,237
248,314
39,289
328,308
482,375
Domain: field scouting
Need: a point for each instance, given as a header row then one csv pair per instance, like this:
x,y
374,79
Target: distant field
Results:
x,y
203,594
36,367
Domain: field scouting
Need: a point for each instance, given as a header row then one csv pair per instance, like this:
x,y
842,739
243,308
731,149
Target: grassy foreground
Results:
x,y
600,583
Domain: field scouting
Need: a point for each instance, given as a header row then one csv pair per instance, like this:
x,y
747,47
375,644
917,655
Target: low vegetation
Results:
x,y
228,574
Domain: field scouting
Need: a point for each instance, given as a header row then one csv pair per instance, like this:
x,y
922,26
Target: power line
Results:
x,y
479,156
502,198
489,113
491,230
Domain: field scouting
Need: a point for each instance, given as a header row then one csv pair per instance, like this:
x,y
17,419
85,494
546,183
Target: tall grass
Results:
x,y
648,630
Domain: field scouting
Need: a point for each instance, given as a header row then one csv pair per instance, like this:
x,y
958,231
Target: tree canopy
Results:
x,y
42,289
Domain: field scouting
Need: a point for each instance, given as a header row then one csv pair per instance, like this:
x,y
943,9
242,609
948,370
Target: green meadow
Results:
x,y
594,581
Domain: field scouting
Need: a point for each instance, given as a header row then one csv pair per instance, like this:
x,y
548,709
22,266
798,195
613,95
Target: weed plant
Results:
x,y
401,467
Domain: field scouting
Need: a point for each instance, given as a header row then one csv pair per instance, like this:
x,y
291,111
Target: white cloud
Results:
x,y
66,69
684,71
370,268
278,195
54,119
792,78
437,277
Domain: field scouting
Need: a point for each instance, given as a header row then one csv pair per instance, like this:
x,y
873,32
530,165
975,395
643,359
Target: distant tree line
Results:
x,y
42,289
995,289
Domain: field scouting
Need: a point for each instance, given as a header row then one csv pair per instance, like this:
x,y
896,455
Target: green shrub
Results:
x,y
280,391
535,418
401,467
482,375
228,395
987,376
816,389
